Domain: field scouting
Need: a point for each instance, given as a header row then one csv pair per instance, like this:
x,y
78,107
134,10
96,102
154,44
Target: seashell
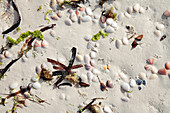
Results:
x,y
139,81
90,44
154,70
90,76
93,55
79,58
141,10
95,71
89,11
94,49
73,17
109,29
37,69
95,79
13,85
136,7
59,14
122,76
53,4
102,25
95,21
103,19
87,37
62,96
92,62
68,22
109,21
1,57
53,33
7,54
118,43
167,65
70,11
37,45
83,77
125,99
160,27
147,67
153,76
125,41
27,103
77,13
162,71
28,55
121,16
62,60
130,10
36,85
142,76
108,66
86,18
150,60
157,33
109,84
87,66
86,59
167,13
81,8
127,15
102,86
44,66
132,83
129,95
107,109
44,44
35,78
114,24
54,17
125,87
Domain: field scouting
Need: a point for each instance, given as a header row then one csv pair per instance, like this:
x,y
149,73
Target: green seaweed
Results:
x,y
46,15
11,40
97,36
18,29
39,8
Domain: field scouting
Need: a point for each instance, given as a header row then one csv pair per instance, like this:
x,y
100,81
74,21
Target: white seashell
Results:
x,y
73,17
130,10
118,43
86,59
89,11
90,44
107,109
68,22
87,66
153,76
35,78
125,41
160,27
92,62
157,33
86,18
102,25
44,44
109,21
90,76
132,83
13,91
79,58
142,76
87,37
121,16
109,29
53,33
62,60
95,21
62,96
1,57
129,95
125,87
125,99
37,45
141,10
95,71
28,55
95,79
136,7
13,85
36,85
53,4
154,70
114,24
37,70
167,13
7,54
93,55
83,77
127,15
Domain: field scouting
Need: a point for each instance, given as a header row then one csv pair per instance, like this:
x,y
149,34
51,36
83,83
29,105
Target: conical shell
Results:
x,y
44,44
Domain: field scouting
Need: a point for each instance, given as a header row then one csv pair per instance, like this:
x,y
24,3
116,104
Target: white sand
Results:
x,y
154,98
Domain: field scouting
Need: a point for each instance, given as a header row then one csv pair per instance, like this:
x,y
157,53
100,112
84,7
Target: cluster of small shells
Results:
x,y
38,44
4,55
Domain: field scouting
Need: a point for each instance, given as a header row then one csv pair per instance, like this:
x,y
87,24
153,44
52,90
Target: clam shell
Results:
x,y
37,45
150,60
125,41
167,65
68,22
92,63
90,76
109,29
136,7
167,13
86,59
109,21
160,27
37,69
87,37
53,33
141,10
123,76
89,11
154,70
86,19
127,15
109,84
93,55
1,57
147,67
125,99
53,4
35,78
13,85
107,109
54,17
157,33
73,17
95,71
36,85
162,71
118,43
120,16
153,76
132,83
125,87
87,66
130,10
44,44
7,54
90,44
102,25
129,95
59,14
79,58
142,76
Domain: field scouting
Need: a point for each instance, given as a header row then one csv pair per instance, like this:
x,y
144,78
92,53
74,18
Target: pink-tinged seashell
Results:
x,y
150,60
54,17
109,84
59,14
103,19
7,54
147,67
37,45
87,66
44,44
167,65
81,8
162,71
167,13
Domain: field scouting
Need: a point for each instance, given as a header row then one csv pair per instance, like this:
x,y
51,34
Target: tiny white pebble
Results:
x,y
129,95
125,87
132,83
53,33
125,41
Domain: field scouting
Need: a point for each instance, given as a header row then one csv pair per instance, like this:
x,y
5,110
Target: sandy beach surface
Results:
x,y
111,58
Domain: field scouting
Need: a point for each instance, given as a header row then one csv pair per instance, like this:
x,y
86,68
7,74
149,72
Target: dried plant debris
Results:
x,y
20,97
50,11
136,40
11,2
102,85
45,74
110,14
72,3
65,71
